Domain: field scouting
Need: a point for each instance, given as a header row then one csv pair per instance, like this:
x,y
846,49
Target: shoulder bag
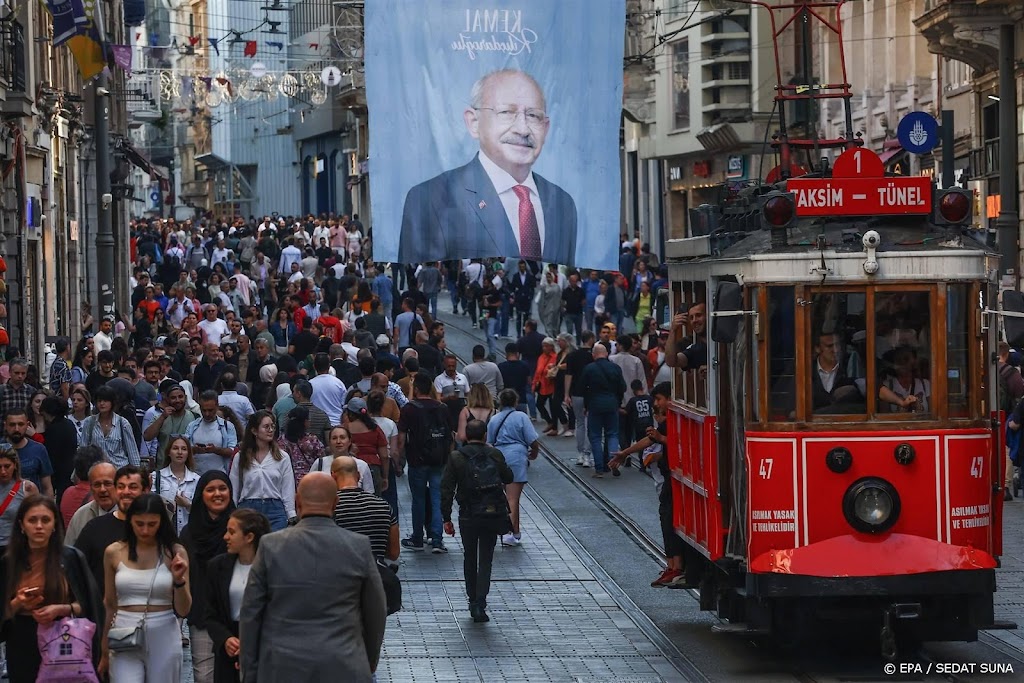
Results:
x,y
11,496
130,638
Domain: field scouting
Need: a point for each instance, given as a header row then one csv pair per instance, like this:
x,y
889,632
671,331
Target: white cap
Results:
x,y
382,340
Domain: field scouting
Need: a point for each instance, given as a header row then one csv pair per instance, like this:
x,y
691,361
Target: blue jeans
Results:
x,y
272,509
531,400
602,424
432,304
588,319
391,494
419,476
453,292
492,329
574,324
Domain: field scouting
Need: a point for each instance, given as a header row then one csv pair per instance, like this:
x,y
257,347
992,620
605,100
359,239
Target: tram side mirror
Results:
x,y
1013,302
728,299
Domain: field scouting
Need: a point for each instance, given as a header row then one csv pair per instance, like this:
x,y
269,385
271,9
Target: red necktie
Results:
x,y
529,233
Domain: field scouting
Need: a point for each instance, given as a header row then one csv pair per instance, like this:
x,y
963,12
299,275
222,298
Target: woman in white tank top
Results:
x,y
146,580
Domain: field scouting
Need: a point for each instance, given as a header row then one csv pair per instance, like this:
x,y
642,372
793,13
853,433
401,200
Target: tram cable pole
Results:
x,y
1008,222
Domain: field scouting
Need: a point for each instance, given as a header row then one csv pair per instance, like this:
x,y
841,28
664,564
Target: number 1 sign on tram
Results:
x,y
858,187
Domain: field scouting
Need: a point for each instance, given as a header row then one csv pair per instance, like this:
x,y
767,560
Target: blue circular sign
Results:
x,y
154,196
918,132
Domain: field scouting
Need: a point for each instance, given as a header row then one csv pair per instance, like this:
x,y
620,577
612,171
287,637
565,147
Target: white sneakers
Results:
x,y
510,540
585,460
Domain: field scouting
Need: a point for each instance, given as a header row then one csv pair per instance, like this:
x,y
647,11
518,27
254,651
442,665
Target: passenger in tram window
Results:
x,y
695,354
913,392
830,384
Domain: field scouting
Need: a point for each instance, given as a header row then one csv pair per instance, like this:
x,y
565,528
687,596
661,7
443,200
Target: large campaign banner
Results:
x,y
494,129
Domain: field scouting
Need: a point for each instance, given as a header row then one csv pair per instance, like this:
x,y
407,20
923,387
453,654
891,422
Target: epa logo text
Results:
x,y
946,668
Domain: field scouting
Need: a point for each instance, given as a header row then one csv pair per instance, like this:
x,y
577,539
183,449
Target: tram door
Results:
x,y
692,451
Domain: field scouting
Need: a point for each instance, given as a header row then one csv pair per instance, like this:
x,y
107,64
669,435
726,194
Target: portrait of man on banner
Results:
x,y
495,204
490,135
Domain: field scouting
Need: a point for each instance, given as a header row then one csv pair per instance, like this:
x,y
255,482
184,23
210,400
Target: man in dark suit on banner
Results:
x,y
494,205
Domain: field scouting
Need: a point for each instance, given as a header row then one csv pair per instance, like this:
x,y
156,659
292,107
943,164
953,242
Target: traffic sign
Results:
x,y
861,196
858,163
918,132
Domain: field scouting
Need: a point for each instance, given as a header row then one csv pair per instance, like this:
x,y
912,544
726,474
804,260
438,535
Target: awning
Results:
x,y
136,159
212,162
890,152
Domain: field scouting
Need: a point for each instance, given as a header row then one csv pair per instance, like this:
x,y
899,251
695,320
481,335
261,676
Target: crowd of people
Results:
x,y
269,373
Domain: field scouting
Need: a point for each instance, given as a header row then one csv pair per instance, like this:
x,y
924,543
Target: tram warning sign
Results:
x,y
858,187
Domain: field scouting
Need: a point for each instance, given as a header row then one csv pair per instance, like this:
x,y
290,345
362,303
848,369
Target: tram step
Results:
x,y
1002,626
738,629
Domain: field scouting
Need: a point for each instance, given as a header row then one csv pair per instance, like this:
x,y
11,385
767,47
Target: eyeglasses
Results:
x,y
534,118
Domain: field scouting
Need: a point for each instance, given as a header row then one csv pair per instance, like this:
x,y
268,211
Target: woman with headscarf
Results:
x,y
190,401
203,538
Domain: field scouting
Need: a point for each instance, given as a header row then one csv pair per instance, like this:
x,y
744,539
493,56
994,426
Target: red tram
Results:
x,y
837,458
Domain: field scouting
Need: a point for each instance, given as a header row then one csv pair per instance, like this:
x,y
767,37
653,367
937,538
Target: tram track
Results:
x,y
920,665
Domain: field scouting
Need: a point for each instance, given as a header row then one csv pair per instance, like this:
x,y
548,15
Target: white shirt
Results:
x,y
103,341
240,404
214,329
827,377
296,277
170,487
289,255
503,184
219,256
460,381
329,396
177,313
236,589
321,231
268,479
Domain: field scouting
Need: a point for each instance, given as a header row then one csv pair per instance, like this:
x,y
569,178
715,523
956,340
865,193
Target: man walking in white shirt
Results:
x,y
328,390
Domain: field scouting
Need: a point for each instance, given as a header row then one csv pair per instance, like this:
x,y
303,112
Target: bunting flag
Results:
x,y
123,57
86,45
279,46
68,18
213,44
192,40
250,48
314,46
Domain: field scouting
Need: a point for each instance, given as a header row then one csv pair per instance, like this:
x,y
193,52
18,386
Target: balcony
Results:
x,y
965,30
18,102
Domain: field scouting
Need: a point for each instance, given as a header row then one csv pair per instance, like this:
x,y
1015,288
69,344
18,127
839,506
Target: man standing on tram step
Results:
x,y
685,565
602,388
476,475
696,354
343,627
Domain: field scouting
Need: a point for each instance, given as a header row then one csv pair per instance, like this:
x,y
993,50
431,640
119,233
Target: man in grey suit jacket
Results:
x,y
494,205
314,608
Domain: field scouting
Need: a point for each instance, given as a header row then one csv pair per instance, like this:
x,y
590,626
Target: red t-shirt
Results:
x,y
367,443
150,307
332,327
298,315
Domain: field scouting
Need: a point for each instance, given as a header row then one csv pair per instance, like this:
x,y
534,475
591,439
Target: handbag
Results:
x,y
129,638
65,647
392,586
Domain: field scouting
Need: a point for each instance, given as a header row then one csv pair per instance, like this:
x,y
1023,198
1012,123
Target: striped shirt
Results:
x,y
366,514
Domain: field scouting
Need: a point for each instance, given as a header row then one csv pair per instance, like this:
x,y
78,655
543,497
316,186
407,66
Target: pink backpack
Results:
x,y
66,648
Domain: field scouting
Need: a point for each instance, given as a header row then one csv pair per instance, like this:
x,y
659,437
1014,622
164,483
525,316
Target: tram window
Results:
x,y
903,352
691,384
838,373
958,376
782,353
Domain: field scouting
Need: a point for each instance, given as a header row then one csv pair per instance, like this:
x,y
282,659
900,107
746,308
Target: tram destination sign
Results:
x,y
861,196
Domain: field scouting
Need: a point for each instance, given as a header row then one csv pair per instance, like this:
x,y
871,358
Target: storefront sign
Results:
x,y
702,169
735,168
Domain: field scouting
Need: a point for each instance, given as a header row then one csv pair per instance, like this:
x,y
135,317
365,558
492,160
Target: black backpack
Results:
x,y
485,490
436,436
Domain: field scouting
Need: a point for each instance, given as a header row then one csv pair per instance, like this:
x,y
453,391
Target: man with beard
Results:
x,y
32,455
129,483
166,419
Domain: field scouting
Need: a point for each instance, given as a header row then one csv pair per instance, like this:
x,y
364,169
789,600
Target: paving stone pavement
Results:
x,y
552,618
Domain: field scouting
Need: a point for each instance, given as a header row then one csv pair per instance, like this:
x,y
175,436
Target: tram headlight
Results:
x,y
871,505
